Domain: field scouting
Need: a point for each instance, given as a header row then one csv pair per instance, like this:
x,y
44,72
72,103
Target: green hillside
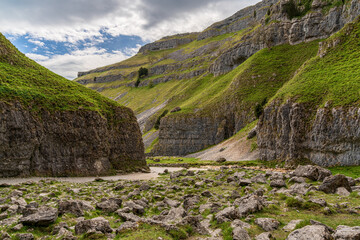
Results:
x,y
333,78
23,80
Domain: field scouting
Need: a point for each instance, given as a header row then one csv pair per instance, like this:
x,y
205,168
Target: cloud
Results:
x,y
75,35
37,42
76,20
69,64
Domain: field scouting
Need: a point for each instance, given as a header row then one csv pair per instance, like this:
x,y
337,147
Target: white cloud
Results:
x,y
37,42
68,65
75,20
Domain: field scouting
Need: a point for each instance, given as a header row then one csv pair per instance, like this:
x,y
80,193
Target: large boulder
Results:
x,y
109,205
226,215
44,216
99,224
75,207
268,224
314,173
347,233
331,184
317,232
249,204
240,234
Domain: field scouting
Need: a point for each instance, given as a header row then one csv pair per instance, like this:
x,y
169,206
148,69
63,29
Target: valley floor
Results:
x,y
241,201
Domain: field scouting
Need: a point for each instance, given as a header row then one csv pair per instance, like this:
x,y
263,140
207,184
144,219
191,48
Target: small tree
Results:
x,y
143,72
158,120
259,108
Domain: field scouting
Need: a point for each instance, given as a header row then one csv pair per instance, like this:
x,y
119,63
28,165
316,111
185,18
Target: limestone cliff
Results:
x,y
316,116
50,126
213,76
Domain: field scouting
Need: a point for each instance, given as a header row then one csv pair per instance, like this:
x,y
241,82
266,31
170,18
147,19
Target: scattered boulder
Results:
x,y
249,204
135,208
128,216
277,183
347,233
227,215
99,224
268,224
342,192
75,207
252,133
240,234
317,232
25,236
331,184
176,109
238,223
109,205
127,226
172,203
265,236
291,225
221,160
314,173
44,216
191,201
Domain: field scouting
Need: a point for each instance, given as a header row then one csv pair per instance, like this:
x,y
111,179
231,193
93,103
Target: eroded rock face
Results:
x,y
331,138
68,143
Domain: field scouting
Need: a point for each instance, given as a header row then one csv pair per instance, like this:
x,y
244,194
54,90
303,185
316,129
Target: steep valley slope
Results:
x,y
202,88
50,126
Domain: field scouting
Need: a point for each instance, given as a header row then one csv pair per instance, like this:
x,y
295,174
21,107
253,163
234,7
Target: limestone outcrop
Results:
x,y
68,143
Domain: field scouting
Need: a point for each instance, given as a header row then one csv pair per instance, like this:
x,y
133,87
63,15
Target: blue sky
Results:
x,y
69,36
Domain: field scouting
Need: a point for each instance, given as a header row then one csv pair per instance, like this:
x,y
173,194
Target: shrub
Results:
x,y
143,72
259,108
157,123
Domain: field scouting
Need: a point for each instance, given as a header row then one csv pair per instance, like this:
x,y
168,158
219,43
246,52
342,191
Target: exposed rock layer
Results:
x,y
330,136
68,143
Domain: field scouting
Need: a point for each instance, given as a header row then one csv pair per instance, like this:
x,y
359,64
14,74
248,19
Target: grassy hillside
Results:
x,y
333,78
23,80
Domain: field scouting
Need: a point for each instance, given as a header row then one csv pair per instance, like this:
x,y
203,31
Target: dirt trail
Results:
x,y
233,150
134,176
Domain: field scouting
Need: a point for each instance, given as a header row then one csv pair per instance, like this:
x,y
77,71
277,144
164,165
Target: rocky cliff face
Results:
x,y
328,137
215,52
277,29
68,143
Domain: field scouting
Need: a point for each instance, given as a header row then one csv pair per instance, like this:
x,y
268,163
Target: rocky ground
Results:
x,y
230,203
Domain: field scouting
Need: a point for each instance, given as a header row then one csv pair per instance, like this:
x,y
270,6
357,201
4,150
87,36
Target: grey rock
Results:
x,y
128,216
96,224
321,202
44,216
176,215
314,173
252,133
342,191
75,207
221,160
240,234
135,208
331,184
265,236
62,143
127,226
237,223
310,232
109,205
291,225
268,224
297,180
172,203
227,215
249,204
25,236
278,183
191,201
347,233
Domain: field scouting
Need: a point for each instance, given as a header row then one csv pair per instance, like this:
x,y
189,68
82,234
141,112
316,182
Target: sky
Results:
x,y
70,36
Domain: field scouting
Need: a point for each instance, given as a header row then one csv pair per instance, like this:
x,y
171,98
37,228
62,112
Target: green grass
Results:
x,y
37,88
333,79
353,171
